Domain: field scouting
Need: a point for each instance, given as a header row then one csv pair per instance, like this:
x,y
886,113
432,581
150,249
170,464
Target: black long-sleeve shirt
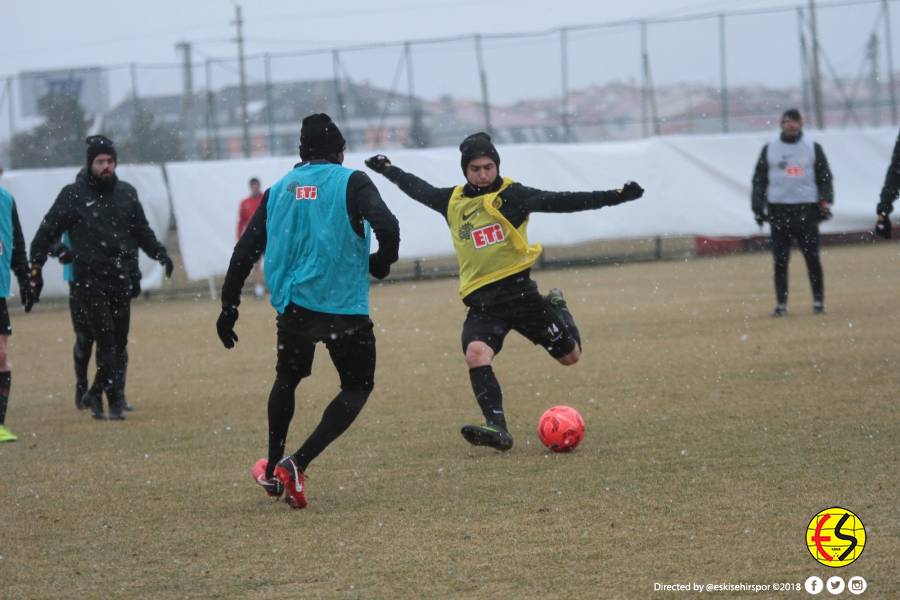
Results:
x,y
824,184
892,178
19,261
363,203
106,226
518,201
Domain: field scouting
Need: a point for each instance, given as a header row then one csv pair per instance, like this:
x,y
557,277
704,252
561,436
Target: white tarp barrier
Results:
x,y
696,185
35,190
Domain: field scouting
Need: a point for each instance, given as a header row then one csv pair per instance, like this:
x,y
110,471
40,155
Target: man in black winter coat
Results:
x,y
889,194
106,225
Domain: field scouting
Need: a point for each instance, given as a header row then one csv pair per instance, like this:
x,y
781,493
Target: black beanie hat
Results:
x,y
320,137
793,114
99,144
478,145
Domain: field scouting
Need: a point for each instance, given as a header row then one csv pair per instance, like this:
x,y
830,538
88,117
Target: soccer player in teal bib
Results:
x,y
12,257
314,227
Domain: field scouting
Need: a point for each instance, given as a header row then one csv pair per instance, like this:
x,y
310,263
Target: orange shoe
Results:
x,y
272,486
291,477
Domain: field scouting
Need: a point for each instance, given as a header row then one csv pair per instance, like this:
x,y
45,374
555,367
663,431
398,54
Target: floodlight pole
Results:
x,y
485,103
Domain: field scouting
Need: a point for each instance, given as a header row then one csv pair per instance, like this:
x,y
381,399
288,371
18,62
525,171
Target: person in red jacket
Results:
x,y
245,213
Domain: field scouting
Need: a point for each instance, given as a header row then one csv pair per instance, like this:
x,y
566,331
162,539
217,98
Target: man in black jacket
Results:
x,y
889,194
313,225
488,218
793,191
106,225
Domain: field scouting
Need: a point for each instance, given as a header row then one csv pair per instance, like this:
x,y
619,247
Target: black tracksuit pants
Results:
x,y
107,312
798,222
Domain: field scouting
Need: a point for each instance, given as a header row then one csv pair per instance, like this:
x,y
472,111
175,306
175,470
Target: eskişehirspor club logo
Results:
x,y
835,537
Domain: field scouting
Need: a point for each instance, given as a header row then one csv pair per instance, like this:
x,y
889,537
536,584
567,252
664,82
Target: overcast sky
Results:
x,y
45,34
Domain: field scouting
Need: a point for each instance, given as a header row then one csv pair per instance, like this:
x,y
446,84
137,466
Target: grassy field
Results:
x,y
714,434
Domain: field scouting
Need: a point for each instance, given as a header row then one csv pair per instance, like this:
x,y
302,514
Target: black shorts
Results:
x,y
529,314
5,325
349,339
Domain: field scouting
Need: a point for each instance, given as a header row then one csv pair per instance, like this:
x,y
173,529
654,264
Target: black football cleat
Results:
x,y
487,435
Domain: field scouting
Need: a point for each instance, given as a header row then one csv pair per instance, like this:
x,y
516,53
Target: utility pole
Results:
x,y
874,83
648,104
245,125
723,77
645,130
12,112
804,62
338,90
187,100
212,129
417,136
816,74
485,103
564,71
890,61
270,120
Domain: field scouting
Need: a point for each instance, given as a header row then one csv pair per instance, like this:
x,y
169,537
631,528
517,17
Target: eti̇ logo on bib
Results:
x,y
835,537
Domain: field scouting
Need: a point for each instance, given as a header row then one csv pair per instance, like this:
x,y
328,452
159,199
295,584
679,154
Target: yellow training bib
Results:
x,y
488,248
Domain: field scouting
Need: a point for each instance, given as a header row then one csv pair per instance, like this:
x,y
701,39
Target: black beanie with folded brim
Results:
x,y
97,145
475,146
320,137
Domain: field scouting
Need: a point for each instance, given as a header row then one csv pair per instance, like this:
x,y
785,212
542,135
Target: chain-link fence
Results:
x,y
703,73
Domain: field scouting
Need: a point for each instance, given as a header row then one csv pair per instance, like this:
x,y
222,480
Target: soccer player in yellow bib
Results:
x,y
488,220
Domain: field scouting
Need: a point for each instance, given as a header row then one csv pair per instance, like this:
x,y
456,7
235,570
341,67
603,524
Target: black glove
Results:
x,y
61,252
26,294
377,268
760,217
824,211
225,326
885,207
163,259
631,191
36,284
135,285
378,163
883,227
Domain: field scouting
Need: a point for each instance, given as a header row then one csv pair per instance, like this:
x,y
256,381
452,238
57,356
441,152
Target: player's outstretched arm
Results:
x,y
418,189
534,200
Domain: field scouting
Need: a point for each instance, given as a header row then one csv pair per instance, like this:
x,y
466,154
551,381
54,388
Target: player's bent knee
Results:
x,y
571,358
478,354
